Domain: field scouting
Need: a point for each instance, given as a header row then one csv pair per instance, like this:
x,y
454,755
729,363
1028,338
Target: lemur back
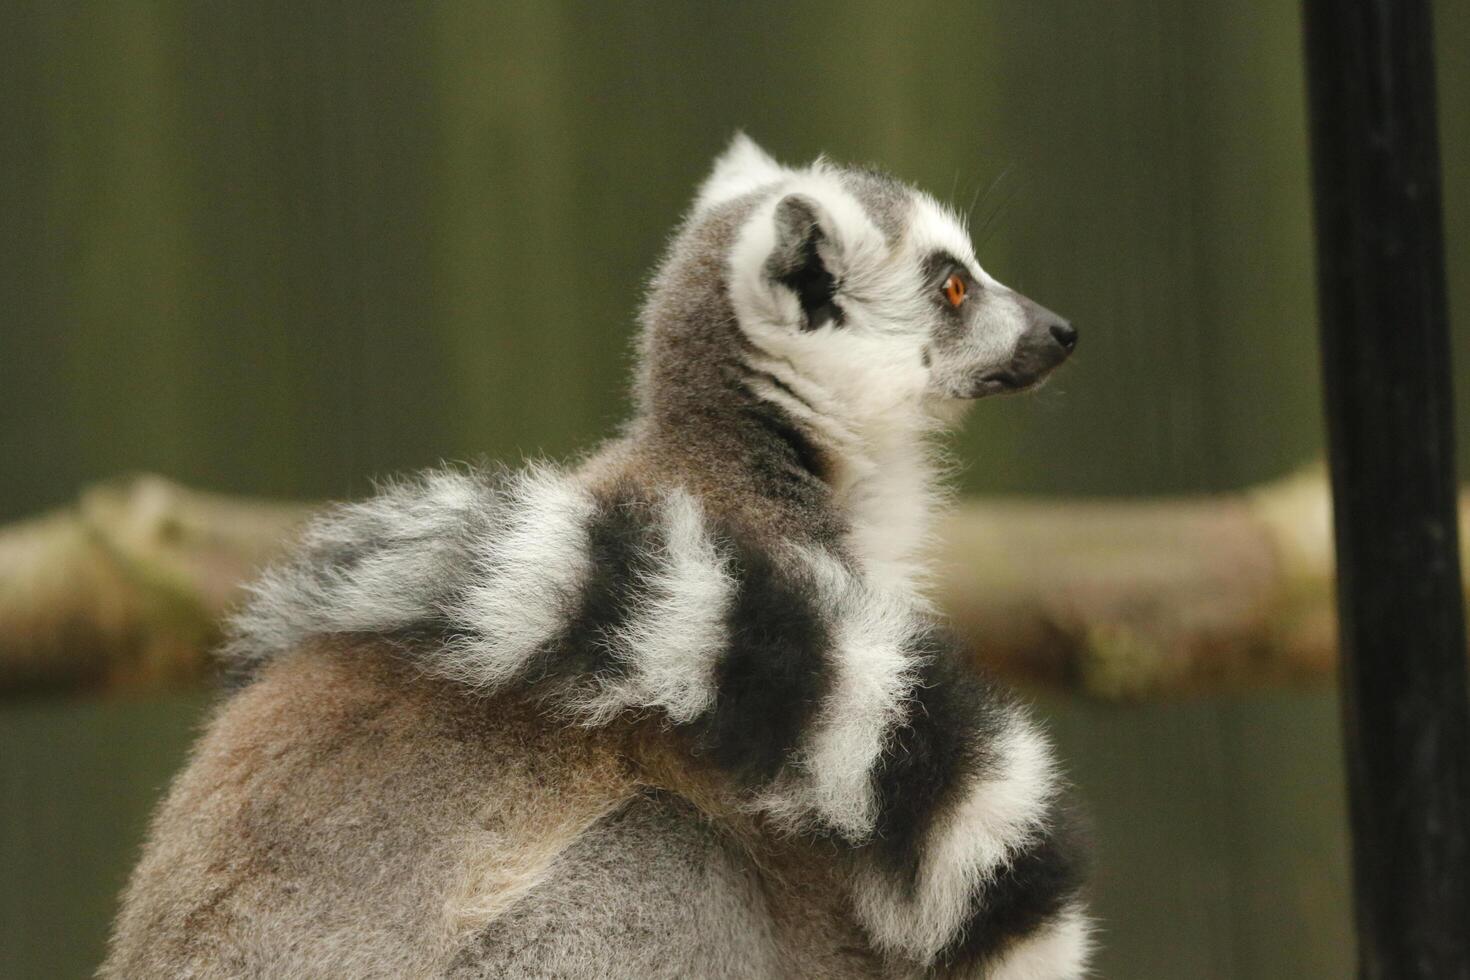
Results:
x,y
701,718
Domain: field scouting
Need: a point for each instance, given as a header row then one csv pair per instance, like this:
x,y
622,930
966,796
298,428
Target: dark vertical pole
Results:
x,y
1385,348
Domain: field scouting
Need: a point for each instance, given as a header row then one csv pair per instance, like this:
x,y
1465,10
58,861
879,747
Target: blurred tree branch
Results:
x,y
125,589
1119,600
1140,599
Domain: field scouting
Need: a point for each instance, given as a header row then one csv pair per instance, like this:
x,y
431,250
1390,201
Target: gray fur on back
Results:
x,y
656,892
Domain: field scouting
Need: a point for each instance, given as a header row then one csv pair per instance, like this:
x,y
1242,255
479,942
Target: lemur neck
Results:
x,y
889,491
776,454
881,465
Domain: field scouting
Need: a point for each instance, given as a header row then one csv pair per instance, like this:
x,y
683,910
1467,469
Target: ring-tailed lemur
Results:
x,y
680,711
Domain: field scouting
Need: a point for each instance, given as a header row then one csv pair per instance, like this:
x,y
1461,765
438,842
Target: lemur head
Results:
x,y
859,293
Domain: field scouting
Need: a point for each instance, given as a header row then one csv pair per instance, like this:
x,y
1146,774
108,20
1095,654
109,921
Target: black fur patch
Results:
x,y
947,739
797,262
789,444
1036,887
235,676
623,541
815,287
783,387
773,674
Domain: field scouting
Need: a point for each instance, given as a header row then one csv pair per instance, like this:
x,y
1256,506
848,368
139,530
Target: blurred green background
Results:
x,y
278,247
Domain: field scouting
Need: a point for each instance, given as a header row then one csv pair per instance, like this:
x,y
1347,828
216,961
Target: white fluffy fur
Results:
x,y
417,526
882,476
1058,951
529,576
1000,814
519,549
874,683
677,633
742,168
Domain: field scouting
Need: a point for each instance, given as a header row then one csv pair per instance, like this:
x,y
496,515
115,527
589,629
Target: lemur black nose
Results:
x,y
1064,334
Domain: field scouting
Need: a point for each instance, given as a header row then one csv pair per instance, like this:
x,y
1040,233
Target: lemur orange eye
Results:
x,y
954,291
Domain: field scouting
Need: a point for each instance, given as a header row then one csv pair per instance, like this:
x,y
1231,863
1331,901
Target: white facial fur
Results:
x,y
894,360
901,363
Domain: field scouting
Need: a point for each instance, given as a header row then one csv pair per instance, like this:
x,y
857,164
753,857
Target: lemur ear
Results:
x,y
743,167
798,262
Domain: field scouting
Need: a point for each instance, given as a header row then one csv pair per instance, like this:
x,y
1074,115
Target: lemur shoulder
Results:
x,y
680,710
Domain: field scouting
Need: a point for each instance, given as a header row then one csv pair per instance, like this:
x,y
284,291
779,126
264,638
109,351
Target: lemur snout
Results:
x,y
1044,344
1065,334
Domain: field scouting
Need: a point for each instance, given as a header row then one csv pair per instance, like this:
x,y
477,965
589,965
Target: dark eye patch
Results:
x,y
937,270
